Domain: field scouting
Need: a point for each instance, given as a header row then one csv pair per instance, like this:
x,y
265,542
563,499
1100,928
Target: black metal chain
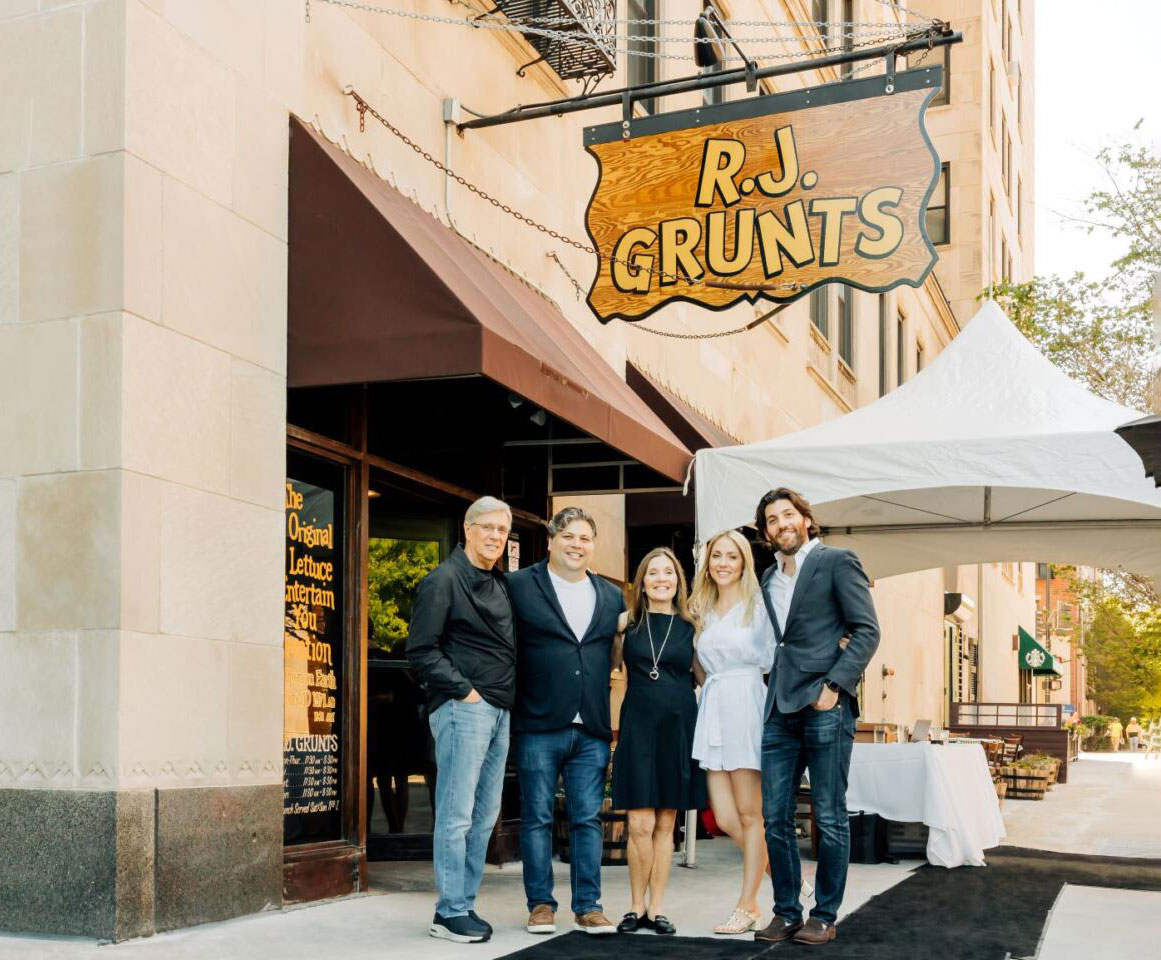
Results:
x,y
364,108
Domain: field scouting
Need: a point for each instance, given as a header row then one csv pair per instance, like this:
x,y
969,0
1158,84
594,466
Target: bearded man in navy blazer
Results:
x,y
565,618
825,632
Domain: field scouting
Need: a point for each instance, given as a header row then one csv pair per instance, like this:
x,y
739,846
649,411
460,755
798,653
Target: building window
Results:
x,y
1019,210
1006,161
1005,262
918,356
818,311
992,99
991,239
1005,30
846,326
643,38
847,37
820,14
900,356
944,96
938,219
884,336
713,95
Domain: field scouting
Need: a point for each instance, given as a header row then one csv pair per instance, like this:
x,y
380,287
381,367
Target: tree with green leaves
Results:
x,y
1123,648
394,569
1100,331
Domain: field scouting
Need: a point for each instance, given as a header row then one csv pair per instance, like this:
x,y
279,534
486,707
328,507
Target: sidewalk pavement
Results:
x,y
393,918
1109,806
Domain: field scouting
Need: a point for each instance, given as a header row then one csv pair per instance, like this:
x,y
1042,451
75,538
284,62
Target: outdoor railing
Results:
x,y
582,44
1041,715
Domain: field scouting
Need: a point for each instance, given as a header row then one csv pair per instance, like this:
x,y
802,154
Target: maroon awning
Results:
x,y
691,427
381,290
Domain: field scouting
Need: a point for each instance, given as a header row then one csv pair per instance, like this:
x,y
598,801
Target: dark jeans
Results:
x,y
819,741
582,760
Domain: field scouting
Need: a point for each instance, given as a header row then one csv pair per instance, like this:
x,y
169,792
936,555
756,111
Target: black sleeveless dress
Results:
x,y
653,765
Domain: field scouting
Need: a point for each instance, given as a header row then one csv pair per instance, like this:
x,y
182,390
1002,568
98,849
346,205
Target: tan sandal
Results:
x,y
740,921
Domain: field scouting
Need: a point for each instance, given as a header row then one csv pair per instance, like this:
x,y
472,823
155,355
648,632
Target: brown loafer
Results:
x,y
593,922
815,931
778,929
541,920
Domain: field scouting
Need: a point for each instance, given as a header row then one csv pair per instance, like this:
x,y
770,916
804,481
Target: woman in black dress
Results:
x,y
654,773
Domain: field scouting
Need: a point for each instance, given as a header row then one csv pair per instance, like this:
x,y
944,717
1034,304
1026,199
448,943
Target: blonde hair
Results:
x,y
705,590
639,601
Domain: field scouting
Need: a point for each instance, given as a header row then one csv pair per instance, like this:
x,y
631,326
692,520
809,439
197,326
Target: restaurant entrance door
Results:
x,y
404,545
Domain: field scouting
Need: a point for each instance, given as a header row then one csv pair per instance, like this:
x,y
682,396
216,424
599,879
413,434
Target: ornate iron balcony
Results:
x,y
588,54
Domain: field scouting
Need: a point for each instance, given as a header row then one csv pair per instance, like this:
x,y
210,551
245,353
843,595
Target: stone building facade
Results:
x,y
145,244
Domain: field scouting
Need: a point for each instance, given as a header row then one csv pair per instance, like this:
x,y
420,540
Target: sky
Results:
x,y
1097,72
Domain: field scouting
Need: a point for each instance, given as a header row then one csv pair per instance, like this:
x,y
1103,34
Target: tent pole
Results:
x,y
980,629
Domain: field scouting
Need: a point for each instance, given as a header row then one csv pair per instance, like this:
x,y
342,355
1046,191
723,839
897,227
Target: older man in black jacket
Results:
x,y
566,618
462,647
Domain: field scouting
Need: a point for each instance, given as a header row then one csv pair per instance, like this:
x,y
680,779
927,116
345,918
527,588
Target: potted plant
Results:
x,y
1027,780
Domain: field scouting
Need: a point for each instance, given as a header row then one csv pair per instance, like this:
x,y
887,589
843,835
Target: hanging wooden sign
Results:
x,y
764,197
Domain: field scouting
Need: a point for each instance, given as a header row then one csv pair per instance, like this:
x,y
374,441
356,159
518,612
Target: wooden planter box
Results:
x,y
616,831
1026,784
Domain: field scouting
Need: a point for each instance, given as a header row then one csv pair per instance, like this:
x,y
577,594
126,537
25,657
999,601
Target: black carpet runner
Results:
x,y
969,913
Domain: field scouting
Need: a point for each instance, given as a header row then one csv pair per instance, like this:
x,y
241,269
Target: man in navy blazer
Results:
x,y
825,632
565,619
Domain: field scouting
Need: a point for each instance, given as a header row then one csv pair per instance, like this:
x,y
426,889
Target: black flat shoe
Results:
x,y
661,924
632,922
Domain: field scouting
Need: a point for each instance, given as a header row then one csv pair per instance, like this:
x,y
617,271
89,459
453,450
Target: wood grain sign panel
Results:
x,y
764,197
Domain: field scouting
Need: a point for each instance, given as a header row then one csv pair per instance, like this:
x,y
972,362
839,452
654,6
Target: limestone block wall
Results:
x,y
142,380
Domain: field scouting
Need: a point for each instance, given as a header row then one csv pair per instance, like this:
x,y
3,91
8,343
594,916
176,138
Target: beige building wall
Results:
x,y
1009,591
143,354
143,172
990,114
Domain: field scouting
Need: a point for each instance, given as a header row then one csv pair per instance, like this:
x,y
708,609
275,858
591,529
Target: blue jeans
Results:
x,y
819,741
471,747
582,760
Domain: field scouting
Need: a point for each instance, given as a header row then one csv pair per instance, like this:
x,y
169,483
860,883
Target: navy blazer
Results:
x,y
557,677
832,600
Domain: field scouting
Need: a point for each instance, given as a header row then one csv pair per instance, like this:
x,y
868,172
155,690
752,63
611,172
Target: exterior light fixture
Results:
x,y
705,52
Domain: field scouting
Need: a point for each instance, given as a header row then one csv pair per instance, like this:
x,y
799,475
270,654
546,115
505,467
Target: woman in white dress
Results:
x,y
735,647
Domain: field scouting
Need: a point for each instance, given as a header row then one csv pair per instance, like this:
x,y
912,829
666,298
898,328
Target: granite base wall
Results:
x,y
120,864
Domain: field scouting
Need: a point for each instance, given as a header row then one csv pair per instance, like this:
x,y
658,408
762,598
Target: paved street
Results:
x,y
1108,807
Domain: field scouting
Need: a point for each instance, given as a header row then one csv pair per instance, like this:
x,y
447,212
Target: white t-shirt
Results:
x,y
579,602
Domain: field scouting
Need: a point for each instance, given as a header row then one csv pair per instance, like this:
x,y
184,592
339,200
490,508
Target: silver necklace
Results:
x,y
655,673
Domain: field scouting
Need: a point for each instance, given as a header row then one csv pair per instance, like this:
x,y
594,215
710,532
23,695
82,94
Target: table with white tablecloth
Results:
x,y
946,786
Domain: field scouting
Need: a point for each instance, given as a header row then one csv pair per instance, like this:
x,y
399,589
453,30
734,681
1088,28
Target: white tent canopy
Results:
x,y
991,453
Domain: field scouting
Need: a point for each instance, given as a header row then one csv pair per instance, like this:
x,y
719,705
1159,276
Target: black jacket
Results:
x,y
831,600
461,634
556,677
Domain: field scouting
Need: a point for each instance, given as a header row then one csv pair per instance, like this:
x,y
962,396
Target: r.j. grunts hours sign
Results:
x,y
764,197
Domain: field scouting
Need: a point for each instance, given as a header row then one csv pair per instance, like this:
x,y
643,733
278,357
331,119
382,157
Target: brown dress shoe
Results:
x,y
778,929
541,920
815,931
593,922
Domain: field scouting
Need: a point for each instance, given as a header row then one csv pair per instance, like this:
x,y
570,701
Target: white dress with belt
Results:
x,y
728,735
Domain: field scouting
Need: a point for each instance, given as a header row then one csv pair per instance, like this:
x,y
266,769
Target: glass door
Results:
x,y
402,549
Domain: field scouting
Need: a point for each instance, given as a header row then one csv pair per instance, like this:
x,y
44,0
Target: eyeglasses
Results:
x,y
491,529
